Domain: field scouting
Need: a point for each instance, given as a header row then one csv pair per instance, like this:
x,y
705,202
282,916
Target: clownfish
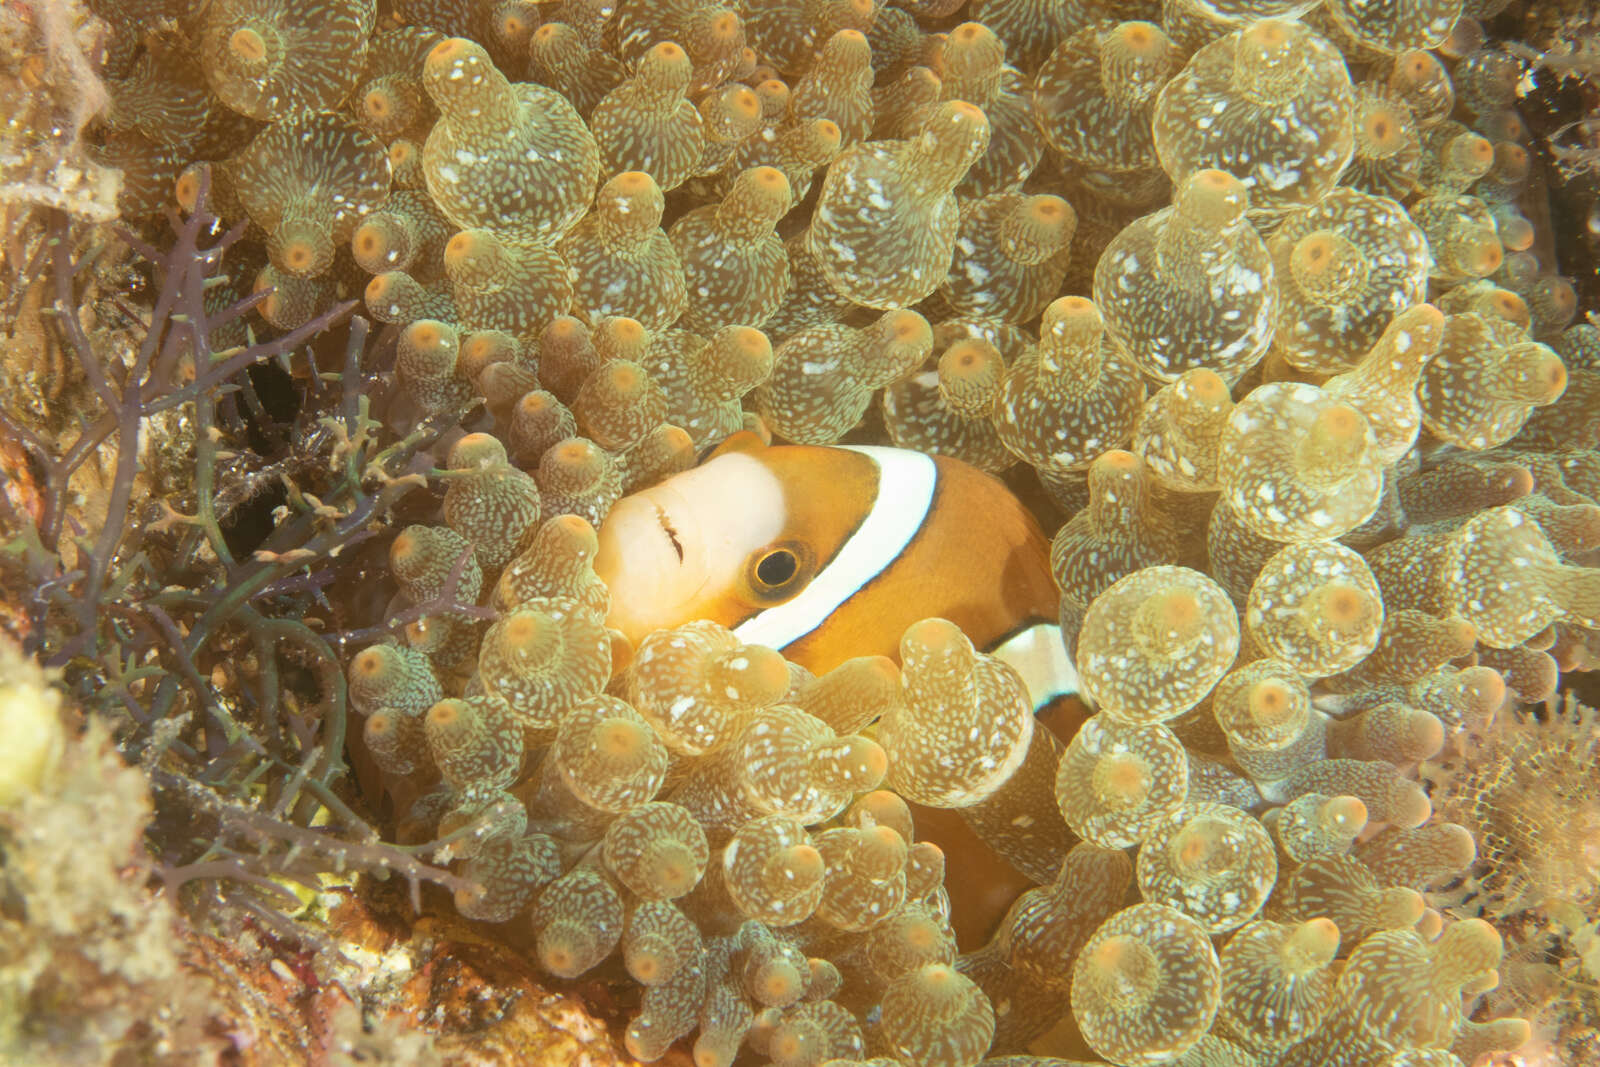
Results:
x,y
830,552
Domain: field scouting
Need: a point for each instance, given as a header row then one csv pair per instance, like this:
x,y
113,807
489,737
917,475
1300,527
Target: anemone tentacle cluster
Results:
x,y
1253,291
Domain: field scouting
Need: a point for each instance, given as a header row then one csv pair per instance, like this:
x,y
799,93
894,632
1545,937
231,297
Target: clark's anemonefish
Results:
x,y
827,553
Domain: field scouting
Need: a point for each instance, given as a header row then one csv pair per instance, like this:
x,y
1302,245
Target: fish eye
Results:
x,y
778,571
776,568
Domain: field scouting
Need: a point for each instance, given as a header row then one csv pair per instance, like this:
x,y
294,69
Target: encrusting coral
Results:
x,y
93,964
1256,307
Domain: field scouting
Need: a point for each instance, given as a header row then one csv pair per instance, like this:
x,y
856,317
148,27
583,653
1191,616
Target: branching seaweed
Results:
x,y
219,667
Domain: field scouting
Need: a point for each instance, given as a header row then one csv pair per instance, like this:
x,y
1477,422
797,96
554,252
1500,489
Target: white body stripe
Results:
x,y
905,492
1039,655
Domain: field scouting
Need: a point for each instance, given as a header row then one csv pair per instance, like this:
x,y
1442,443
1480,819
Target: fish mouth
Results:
x,y
650,556
688,550
667,528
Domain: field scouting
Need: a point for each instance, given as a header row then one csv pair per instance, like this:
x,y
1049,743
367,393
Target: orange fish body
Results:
x,y
827,553
830,552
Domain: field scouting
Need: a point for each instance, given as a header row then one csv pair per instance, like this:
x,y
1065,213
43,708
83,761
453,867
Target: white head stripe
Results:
x,y
1040,656
905,492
